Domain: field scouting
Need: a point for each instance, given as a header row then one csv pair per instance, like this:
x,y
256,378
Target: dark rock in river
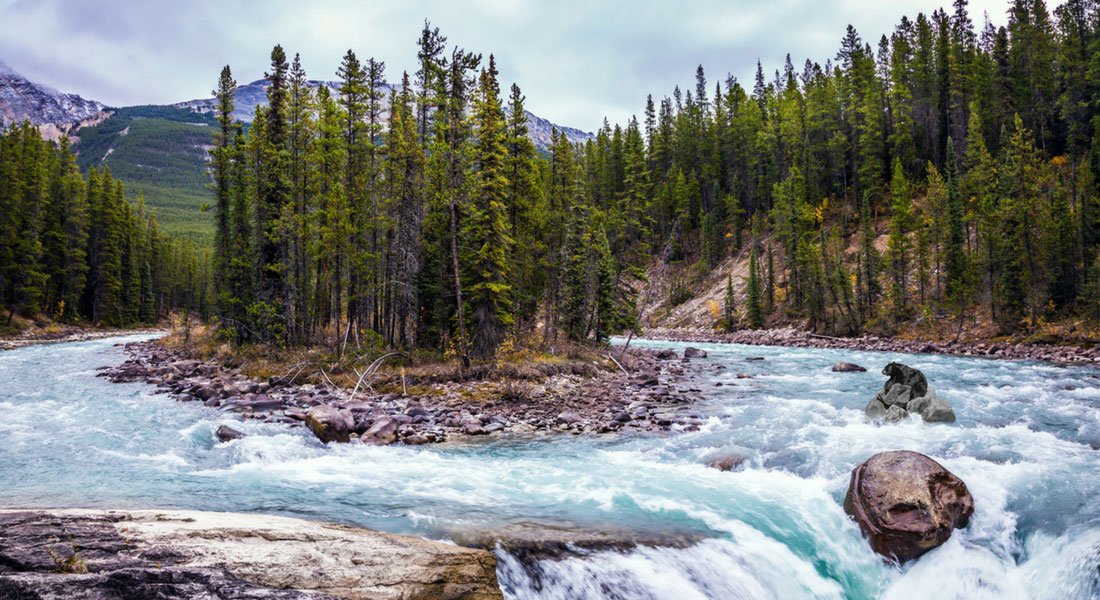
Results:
x,y
694,353
726,462
847,367
330,424
906,503
227,434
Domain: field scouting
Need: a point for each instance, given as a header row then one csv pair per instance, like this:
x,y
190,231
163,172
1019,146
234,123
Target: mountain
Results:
x,y
54,112
252,95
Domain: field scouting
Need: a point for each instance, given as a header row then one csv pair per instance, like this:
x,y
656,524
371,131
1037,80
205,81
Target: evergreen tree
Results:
x,y
486,227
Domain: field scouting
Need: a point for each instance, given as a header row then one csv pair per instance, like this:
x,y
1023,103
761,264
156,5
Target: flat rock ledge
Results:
x,y
97,554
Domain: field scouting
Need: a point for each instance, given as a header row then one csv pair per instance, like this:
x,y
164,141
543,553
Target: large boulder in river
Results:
x,y
847,367
690,352
330,424
906,503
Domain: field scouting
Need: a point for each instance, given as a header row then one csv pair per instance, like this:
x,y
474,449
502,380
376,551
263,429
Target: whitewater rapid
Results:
x,y
1025,444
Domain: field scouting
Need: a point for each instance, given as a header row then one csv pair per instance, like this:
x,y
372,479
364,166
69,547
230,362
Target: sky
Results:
x,y
577,61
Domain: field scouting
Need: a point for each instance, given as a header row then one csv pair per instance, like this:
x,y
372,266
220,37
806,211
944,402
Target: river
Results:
x,y
1025,443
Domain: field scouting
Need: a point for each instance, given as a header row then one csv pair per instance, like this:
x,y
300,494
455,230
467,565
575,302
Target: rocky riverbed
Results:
x,y
110,554
654,394
796,338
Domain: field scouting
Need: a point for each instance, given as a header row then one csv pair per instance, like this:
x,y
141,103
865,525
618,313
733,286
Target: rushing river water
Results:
x,y
1025,444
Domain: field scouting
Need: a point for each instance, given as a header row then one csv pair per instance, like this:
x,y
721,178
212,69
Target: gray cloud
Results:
x,y
576,60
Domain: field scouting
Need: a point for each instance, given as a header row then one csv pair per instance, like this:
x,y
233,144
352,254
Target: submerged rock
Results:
x,y
226,433
726,462
178,555
847,367
906,503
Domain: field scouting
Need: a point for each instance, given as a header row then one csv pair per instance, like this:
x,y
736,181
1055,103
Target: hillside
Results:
x,y
161,152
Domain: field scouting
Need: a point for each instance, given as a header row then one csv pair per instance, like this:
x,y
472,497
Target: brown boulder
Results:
x,y
906,503
330,424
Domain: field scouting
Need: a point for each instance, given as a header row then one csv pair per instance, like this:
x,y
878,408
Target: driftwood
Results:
x,y
827,337
617,364
370,371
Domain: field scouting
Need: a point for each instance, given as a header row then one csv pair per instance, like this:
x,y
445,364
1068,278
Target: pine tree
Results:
x,y
486,227
730,306
897,243
221,164
754,312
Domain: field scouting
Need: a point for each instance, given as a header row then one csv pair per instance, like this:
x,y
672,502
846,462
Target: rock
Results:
x,y
875,408
934,409
895,413
666,354
690,352
226,434
381,432
330,424
904,374
754,358
847,367
906,503
177,555
726,462
569,418
897,395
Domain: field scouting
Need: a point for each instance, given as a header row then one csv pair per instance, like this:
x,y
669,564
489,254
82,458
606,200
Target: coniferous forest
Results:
x,y
944,170
71,248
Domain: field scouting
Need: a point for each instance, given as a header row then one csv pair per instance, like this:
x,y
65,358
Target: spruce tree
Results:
x,y
486,227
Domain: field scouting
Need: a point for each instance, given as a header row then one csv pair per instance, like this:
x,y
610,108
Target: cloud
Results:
x,y
576,60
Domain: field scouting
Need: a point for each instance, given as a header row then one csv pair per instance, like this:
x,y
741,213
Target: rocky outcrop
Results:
x,y
168,555
691,352
847,367
906,392
906,503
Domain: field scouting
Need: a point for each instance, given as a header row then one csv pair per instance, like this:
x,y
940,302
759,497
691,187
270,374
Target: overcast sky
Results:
x,y
576,60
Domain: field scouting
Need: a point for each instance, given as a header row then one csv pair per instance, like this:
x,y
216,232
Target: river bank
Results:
x,y
653,391
58,334
190,554
790,337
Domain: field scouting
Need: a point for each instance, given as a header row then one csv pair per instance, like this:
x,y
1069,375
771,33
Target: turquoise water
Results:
x,y
1024,444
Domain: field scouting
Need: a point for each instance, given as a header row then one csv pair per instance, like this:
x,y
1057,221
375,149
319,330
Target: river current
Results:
x,y
1025,443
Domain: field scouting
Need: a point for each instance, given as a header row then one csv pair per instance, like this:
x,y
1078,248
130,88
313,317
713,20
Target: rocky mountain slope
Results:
x,y
23,100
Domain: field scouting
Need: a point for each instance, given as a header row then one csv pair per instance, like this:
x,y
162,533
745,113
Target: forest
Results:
x,y
73,250
944,172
